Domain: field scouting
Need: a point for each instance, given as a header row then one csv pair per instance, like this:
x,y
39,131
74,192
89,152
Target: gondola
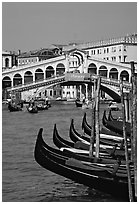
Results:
x,y
110,117
32,109
87,129
14,108
78,103
107,162
99,178
104,139
42,107
79,143
116,126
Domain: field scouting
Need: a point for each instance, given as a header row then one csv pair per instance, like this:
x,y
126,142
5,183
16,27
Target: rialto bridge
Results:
x,y
37,75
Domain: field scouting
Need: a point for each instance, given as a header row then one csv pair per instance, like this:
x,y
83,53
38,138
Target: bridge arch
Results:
x,y
6,82
124,76
60,69
103,71
113,74
92,68
39,75
28,77
49,71
17,79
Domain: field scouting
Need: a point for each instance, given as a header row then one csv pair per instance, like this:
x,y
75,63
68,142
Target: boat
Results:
x,y
32,109
105,180
114,106
87,129
116,126
79,143
14,108
110,117
42,107
104,138
78,103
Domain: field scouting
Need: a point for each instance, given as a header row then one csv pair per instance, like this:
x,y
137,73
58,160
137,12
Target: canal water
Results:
x,y
23,180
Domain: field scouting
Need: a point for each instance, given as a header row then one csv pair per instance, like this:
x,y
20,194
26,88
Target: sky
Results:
x,y
33,25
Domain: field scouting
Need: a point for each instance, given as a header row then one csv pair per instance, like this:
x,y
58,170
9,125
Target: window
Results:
x,y
104,50
107,50
124,48
119,58
50,92
125,58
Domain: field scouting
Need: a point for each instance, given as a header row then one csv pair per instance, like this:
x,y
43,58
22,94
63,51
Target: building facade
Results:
x,y
9,59
122,50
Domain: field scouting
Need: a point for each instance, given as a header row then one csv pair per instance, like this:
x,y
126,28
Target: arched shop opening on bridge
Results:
x,y
17,79
6,82
49,71
28,77
39,75
124,76
103,71
60,69
92,69
113,74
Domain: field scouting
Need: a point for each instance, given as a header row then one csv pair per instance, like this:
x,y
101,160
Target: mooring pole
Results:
x,y
126,146
134,123
92,137
97,118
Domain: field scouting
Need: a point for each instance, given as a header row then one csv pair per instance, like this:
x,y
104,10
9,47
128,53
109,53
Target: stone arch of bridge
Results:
x,y
17,79
92,68
39,74
124,75
113,73
60,69
28,77
49,72
6,82
103,71
111,93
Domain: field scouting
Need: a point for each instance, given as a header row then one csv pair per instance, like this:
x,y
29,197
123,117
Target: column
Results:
x,y
86,90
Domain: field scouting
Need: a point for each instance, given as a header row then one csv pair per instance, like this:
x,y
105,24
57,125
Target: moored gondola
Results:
x,y
79,143
104,139
87,128
110,117
116,126
102,179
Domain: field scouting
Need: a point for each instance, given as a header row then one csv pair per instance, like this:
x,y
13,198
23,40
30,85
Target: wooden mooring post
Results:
x,y
97,125
130,189
93,130
134,123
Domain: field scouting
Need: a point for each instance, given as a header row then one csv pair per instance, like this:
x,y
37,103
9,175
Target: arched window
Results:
x,y
6,62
